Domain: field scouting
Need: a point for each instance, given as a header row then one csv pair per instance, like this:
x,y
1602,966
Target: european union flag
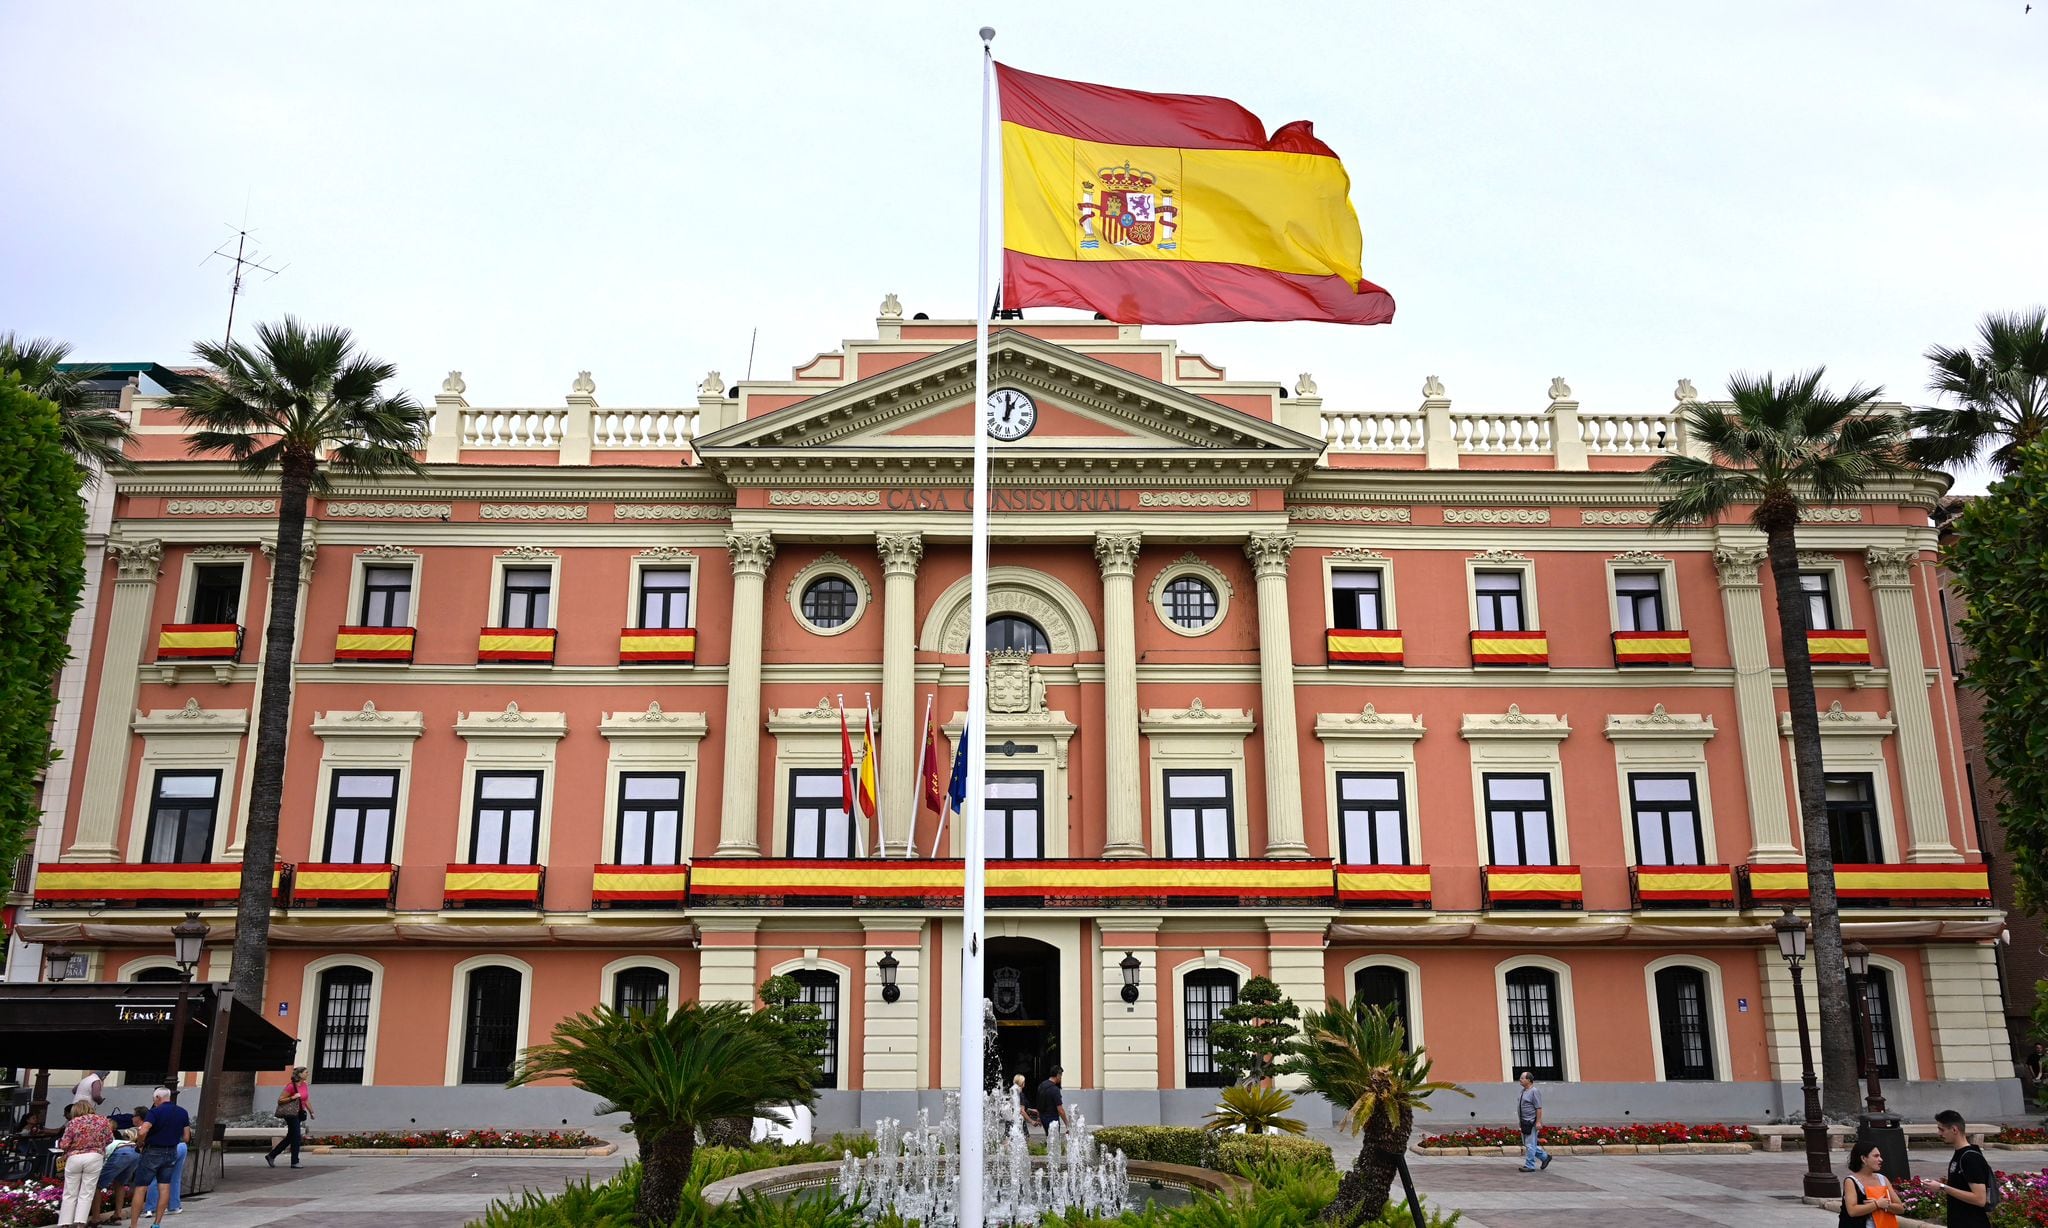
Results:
x,y
956,790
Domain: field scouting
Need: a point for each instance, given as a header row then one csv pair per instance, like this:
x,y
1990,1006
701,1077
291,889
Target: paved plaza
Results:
x,y
1760,1190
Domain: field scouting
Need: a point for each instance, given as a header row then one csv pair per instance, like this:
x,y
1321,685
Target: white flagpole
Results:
x,y
971,920
924,745
871,748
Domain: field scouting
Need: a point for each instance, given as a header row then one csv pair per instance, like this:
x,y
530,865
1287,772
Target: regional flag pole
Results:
x,y
971,920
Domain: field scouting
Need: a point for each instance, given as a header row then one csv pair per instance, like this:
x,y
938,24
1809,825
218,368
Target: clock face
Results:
x,y
1011,414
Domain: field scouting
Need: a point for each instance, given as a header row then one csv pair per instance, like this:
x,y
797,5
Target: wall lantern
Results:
x,y
57,962
887,966
1130,966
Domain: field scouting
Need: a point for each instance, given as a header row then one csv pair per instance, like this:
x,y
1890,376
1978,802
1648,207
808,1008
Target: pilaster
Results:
x,y
1294,955
1756,704
1966,1013
309,549
726,959
891,1050
901,553
1117,554
1268,553
1890,572
1130,1030
136,566
739,813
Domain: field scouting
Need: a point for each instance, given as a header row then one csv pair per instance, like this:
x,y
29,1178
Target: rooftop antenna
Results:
x,y
244,261
756,336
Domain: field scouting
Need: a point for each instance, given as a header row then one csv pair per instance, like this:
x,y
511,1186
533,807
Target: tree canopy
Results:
x,y
1251,1041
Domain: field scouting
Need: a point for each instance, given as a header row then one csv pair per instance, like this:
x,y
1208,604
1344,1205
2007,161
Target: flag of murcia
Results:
x,y
1173,209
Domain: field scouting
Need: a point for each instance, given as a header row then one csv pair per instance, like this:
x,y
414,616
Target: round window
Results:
x,y
829,601
1190,602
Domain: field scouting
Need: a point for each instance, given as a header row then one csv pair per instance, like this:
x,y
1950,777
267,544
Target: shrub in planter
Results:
x,y
1162,1144
1240,1152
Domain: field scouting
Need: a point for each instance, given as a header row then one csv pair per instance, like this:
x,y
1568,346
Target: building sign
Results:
x,y
142,1014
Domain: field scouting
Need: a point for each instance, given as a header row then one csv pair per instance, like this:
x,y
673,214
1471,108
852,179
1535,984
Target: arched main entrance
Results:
x,y
1022,979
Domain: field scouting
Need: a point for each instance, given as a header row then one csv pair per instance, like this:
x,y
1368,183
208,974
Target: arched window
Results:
x,y
1535,1023
1683,1025
158,976
341,1033
821,989
1877,992
640,989
1386,986
1014,633
490,1024
1205,992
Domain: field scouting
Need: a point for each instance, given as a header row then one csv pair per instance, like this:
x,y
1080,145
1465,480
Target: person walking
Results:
x,y
1866,1192
1968,1183
1052,1103
294,1109
177,1200
166,1126
84,1148
1529,1113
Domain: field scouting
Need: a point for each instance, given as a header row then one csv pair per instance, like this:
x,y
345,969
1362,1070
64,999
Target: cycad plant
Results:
x,y
1776,448
1357,1057
1997,394
673,1074
1260,1110
94,438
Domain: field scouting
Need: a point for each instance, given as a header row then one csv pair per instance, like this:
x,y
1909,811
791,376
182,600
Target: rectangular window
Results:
x,y
1372,818
819,825
1820,600
387,597
505,829
1667,819
526,600
1499,598
650,819
1198,815
1520,828
665,598
1639,601
361,807
1014,816
1355,601
182,807
1852,819
216,593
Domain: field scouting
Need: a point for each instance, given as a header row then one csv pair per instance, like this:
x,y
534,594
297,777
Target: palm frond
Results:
x,y
1998,393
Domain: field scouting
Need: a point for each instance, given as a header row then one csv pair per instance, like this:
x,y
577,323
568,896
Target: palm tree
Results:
x,y
1358,1056
1999,392
301,401
1778,446
672,1074
95,438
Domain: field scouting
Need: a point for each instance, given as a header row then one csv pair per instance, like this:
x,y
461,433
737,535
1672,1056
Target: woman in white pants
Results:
x,y
84,1146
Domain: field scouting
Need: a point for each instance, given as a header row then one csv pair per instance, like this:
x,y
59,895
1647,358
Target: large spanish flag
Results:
x,y
1173,209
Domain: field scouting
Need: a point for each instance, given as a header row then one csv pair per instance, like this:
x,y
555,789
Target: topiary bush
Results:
x,y
1240,1152
1161,1144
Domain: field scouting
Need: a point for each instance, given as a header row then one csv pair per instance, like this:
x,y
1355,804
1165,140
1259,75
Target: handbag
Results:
x,y
290,1107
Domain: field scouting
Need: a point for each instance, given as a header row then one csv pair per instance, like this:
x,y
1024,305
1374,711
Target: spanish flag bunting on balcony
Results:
x,y
651,646
1383,884
663,885
1510,648
1562,884
1652,648
1365,647
510,884
313,882
373,644
198,642
1673,884
1173,209
137,884
1838,647
531,645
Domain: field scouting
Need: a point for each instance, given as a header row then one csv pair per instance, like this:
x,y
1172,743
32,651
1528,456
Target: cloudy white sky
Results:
x,y
1621,193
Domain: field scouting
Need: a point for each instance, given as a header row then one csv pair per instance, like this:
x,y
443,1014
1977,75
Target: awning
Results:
x,y
105,1025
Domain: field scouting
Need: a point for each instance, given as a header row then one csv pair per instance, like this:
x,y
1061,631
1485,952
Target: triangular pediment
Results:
x,y
1086,407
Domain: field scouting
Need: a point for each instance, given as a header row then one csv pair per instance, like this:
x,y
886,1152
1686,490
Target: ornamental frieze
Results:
x,y
824,498
1594,515
1367,515
392,511
1194,498
220,507
1496,515
671,511
534,511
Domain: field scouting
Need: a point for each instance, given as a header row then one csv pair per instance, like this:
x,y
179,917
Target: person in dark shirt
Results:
x,y
1968,1184
1052,1104
166,1126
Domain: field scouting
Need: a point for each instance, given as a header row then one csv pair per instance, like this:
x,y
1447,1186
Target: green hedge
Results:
x,y
1239,1151
1162,1144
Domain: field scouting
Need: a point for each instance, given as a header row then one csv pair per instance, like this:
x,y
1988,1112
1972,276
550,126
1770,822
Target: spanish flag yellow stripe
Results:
x,y
196,639
712,877
673,880
381,641
62,878
1909,881
1166,877
533,641
1352,881
1653,643
342,880
1707,881
495,880
1528,881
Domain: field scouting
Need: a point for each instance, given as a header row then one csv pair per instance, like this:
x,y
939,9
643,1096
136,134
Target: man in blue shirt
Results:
x,y
166,1126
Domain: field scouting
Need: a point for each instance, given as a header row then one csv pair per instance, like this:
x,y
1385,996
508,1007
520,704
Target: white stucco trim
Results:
x,y
458,984
310,1006
849,985
1177,1011
1567,1011
1717,1014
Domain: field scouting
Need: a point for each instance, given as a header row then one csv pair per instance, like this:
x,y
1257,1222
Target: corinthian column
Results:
x,y
739,815
106,765
900,553
1268,553
1756,704
1117,553
1891,586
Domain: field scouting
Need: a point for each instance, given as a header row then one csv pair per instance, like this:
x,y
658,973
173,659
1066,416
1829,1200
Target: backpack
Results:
x,y
1992,1195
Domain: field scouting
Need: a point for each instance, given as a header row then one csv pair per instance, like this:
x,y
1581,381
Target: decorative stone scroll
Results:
x,y
392,511
824,498
1602,516
1194,498
1496,515
1500,556
1365,515
535,511
528,552
671,511
220,507
1831,515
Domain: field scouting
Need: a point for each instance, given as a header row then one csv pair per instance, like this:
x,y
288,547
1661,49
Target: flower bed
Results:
x,y
31,1203
457,1140
1637,1134
2030,1136
2025,1205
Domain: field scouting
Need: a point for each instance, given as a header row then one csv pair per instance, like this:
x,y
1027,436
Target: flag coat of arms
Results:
x,y
1173,209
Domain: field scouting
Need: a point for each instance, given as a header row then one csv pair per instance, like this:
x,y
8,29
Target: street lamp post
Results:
x,y
1820,1178
56,969
188,940
1875,1124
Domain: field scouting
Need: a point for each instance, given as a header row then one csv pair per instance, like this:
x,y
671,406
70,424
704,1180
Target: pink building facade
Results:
x,y
1410,704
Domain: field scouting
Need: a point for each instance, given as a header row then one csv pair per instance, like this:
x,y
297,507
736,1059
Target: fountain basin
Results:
x,y
792,1179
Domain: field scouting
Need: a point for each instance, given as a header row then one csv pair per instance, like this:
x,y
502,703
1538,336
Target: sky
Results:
x,y
1621,194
